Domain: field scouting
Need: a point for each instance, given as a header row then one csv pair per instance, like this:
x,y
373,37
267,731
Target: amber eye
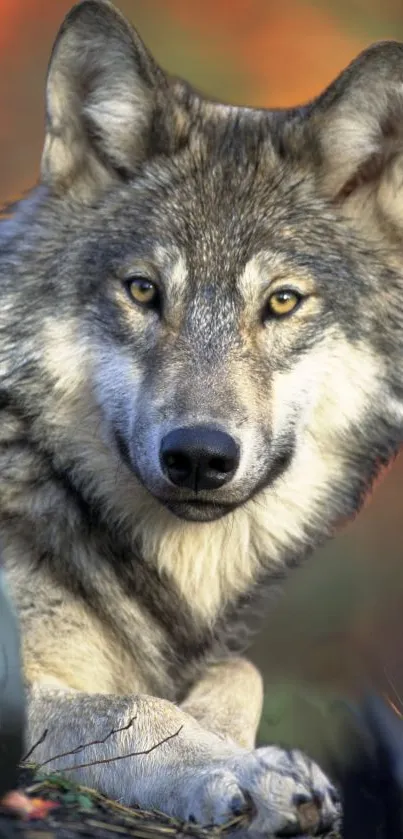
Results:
x,y
282,302
143,291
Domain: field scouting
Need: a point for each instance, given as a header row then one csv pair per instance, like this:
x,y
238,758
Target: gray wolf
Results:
x,y
200,329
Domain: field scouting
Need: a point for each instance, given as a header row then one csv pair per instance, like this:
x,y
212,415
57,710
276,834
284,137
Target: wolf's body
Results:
x,y
201,311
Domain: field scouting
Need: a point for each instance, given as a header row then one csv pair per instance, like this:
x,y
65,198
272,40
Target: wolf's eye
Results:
x,y
282,302
143,291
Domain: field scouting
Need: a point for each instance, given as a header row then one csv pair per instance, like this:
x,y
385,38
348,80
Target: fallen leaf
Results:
x,y
27,808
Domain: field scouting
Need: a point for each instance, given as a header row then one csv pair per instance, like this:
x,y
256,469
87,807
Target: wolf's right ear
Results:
x,y
355,135
100,99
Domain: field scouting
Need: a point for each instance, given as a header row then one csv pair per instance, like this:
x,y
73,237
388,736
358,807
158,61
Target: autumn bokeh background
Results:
x,y
257,52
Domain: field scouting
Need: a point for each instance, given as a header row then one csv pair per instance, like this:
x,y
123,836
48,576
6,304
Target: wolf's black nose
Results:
x,y
199,457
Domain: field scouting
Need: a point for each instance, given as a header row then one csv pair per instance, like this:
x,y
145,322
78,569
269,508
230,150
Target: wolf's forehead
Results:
x,y
201,271
219,219
205,245
209,277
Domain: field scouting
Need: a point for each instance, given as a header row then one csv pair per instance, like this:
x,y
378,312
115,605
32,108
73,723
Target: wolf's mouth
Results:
x,y
198,511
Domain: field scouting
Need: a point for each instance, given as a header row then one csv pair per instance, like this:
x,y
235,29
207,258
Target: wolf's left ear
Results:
x,y
100,100
357,130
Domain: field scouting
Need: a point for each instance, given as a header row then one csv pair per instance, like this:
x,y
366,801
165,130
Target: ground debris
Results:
x,y
82,813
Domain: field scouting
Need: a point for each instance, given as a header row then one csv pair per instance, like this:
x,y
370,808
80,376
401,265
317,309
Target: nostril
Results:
x,y
178,462
221,464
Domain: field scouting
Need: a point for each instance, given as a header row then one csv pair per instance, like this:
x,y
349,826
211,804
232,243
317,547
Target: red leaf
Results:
x,y
27,808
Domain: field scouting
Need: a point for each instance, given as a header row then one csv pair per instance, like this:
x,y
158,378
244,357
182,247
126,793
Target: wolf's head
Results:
x,y
214,293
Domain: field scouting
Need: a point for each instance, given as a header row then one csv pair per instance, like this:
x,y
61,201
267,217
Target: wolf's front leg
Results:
x,y
139,749
228,701
148,751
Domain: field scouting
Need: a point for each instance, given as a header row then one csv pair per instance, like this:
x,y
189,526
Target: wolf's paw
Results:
x,y
285,792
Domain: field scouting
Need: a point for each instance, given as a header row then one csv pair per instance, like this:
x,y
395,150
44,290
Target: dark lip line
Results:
x,y
196,503
200,501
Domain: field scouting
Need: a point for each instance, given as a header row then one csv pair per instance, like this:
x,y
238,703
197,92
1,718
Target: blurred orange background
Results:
x,y
257,52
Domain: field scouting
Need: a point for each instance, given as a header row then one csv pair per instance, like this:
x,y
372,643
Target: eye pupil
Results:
x,y
144,287
283,297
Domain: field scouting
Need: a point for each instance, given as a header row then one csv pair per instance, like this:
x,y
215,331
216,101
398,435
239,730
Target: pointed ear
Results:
x,y
100,100
358,131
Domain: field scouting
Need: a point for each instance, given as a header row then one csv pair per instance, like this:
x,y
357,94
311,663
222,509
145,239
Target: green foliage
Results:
x,y
295,715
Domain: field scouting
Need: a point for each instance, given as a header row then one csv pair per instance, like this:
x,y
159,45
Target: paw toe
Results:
x,y
292,793
216,798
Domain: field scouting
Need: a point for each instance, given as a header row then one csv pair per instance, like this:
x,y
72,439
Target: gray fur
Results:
x,y
135,595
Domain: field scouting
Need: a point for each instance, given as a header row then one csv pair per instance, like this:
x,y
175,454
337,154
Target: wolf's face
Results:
x,y
220,339
230,275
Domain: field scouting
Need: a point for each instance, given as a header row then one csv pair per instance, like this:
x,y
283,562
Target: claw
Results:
x,y
238,805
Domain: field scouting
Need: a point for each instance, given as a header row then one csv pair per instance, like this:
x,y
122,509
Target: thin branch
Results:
x,y
87,745
35,746
121,757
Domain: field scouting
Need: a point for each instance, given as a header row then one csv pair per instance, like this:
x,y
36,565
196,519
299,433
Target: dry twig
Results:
x,y
108,759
